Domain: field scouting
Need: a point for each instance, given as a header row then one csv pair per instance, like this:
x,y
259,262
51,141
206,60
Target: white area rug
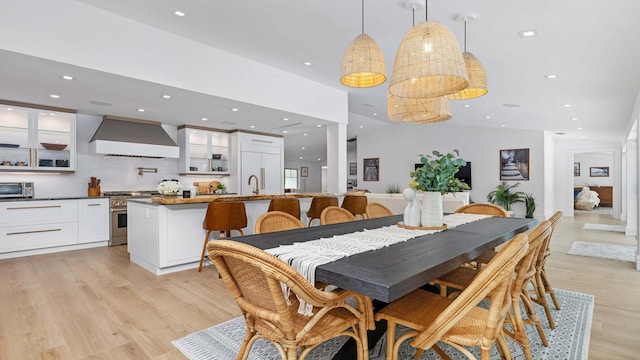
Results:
x,y
570,339
604,227
605,251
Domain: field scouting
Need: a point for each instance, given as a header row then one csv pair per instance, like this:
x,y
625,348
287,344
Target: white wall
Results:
x,y
588,160
116,173
311,183
398,146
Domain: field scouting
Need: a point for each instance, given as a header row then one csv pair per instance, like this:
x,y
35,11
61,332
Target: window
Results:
x,y
291,178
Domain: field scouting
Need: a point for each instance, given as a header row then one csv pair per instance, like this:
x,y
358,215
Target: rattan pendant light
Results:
x,y
363,62
418,110
428,63
477,76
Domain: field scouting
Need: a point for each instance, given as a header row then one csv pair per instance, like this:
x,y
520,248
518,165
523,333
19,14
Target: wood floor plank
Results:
x,y
130,351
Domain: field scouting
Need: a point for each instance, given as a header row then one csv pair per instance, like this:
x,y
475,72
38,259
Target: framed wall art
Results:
x,y
353,168
371,168
599,171
514,164
304,171
576,169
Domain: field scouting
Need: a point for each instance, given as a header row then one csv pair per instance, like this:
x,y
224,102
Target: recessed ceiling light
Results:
x,y
361,126
10,109
284,131
503,125
487,117
204,119
300,157
318,125
141,110
52,114
580,128
319,159
467,105
375,114
566,105
252,126
304,134
527,33
584,137
307,63
551,76
234,109
166,96
285,119
67,77
303,148
574,118
179,13
54,96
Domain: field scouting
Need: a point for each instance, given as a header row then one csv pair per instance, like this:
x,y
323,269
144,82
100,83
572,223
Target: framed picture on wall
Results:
x,y
514,164
353,168
576,169
371,168
599,171
304,171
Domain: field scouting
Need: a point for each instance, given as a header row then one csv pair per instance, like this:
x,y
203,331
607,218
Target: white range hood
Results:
x,y
118,136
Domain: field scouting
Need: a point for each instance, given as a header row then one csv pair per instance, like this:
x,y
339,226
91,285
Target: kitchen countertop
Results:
x,y
173,200
45,198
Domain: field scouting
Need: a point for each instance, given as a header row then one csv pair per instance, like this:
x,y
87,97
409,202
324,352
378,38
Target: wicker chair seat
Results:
x,y
335,215
273,221
376,210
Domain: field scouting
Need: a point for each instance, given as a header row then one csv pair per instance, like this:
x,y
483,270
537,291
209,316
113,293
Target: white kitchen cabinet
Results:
x,y
40,139
93,220
203,151
262,156
31,227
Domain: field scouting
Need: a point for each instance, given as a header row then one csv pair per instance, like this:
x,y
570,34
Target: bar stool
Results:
x,y
223,217
355,204
319,203
289,205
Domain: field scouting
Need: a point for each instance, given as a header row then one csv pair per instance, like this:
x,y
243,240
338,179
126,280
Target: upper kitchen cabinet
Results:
x,y
39,138
203,151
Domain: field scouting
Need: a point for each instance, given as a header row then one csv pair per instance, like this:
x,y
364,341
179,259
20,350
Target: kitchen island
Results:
x,y
165,234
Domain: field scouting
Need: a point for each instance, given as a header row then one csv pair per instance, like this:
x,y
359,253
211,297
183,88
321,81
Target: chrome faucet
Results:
x,y
256,191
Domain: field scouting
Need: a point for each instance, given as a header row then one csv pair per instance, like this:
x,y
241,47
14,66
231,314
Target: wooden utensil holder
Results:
x,y
94,191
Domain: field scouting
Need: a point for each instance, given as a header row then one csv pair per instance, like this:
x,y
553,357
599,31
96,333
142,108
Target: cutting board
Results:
x,y
207,187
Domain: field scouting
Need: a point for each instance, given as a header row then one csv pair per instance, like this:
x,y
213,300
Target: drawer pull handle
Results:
x,y
94,204
33,232
264,141
35,207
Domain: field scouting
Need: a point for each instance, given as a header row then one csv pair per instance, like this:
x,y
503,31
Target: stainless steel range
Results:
x,y
118,206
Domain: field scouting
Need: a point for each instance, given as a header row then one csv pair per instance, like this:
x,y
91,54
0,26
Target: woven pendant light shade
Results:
x,y
477,79
418,110
428,63
363,63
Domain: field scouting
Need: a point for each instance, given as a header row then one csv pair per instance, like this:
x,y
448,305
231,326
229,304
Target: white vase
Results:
x,y
431,214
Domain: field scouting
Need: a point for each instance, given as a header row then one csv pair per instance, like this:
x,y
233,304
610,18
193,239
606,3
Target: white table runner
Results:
x,y
307,256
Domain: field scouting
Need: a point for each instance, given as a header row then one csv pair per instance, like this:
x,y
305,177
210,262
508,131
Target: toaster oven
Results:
x,y
10,190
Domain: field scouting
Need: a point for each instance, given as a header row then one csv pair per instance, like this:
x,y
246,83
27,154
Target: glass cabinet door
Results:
x,y
15,149
53,140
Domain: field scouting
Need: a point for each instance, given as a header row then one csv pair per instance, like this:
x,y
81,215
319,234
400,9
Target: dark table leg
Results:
x,y
349,350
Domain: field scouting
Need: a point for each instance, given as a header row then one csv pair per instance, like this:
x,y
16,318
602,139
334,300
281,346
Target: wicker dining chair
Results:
x,y
335,215
376,210
273,221
356,204
319,203
482,209
286,204
461,277
223,216
541,283
432,318
254,278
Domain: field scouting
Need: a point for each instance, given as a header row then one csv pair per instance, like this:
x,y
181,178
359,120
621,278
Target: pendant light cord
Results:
x,y
426,10
465,35
362,16
414,15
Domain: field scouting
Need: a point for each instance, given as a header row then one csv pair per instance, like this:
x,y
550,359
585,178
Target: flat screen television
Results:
x,y
464,174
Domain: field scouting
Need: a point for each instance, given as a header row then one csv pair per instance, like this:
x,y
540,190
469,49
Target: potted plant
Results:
x,y
392,189
220,189
436,177
530,205
503,196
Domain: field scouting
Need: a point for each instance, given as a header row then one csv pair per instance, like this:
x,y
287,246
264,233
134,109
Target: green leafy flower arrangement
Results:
x,y
437,173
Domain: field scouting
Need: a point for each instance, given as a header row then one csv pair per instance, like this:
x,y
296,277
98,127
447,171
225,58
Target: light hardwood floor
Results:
x,y
95,304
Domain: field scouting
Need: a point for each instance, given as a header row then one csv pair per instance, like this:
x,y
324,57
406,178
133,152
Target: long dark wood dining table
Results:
x,y
389,273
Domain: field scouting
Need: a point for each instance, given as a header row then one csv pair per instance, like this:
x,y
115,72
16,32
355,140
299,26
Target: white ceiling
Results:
x,y
590,45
